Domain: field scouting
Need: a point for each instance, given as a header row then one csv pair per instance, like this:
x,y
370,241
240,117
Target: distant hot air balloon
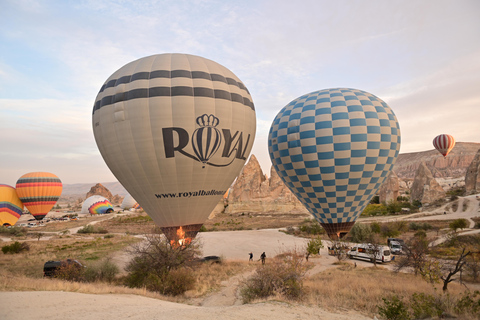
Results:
x,y
334,148
444,143
128,202
175,129
96,205
39,191
10,205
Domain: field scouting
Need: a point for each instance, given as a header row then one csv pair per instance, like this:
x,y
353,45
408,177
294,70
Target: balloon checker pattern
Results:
x,y
39,191
10,205
334,148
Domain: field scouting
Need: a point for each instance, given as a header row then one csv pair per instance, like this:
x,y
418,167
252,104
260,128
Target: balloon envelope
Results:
x,y
444,143
96,205
334,148
10,205
175,130
39,191
128,202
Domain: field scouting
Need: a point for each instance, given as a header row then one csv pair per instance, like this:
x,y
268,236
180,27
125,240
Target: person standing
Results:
x,y
251,256
262,257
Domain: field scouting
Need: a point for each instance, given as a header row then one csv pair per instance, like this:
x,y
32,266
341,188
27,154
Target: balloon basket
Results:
x,y
181,235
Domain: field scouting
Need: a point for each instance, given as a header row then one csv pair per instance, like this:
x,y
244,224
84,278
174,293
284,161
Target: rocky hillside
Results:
x,y
454,165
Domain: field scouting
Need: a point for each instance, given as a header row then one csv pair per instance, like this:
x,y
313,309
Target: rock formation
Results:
x,y
454,165
100,190
425,188
472,177
253,192
389,191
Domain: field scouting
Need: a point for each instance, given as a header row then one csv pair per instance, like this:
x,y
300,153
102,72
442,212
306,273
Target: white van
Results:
x,y
366,251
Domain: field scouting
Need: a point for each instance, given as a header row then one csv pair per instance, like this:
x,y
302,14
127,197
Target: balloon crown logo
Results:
x,y
207,121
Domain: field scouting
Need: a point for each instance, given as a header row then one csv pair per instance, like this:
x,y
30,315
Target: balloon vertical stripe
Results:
x,y
444,143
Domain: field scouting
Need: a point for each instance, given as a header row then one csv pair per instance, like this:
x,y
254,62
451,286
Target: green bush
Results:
x,y
420,226
469,304
372,210
14,231
311,227
314,246
458,224
426,306
91,229
361,232
15,247
104,271
394,309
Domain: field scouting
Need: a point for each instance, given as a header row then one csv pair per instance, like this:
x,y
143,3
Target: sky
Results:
x,y
421,57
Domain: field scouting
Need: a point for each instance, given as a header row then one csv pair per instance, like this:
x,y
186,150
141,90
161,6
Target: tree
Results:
x,y
360,232
415,255
456,268
458,224
338,248
313,247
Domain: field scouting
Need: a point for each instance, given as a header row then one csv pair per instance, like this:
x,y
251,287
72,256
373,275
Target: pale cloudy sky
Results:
x,y
421,57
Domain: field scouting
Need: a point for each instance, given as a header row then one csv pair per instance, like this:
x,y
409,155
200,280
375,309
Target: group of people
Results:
x,y
263,256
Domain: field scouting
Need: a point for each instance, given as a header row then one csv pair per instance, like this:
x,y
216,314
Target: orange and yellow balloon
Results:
x,y
39,191
10,205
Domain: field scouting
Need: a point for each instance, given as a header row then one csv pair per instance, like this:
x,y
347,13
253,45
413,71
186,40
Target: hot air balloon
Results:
x,y
10,206
444,143
128,202
175,130
96,205
334,148
39,191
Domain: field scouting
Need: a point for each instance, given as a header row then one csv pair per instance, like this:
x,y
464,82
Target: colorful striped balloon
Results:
x,y
39,191
444,143
10,205
96,205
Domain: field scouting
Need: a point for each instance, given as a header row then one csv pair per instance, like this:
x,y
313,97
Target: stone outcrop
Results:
x,y
117,200
389,191
454,165
253,192
425,188
99,190
472,177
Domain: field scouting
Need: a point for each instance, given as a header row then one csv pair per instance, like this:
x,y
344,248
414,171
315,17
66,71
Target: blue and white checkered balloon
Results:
x,y
334,148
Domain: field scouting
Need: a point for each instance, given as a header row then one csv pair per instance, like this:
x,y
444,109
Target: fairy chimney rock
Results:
x,y
472,177
249,181
100,190
425,188
389,190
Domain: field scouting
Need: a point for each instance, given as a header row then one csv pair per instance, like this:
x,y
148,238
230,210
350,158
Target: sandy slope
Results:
x,y
69,305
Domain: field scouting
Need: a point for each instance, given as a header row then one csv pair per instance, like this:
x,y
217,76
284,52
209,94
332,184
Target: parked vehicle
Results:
x,y
402,243
366,251
50,267
395,247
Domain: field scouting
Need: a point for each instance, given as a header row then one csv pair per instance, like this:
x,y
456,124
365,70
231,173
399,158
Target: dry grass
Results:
x,y
84,249
252,221
210,276
362,289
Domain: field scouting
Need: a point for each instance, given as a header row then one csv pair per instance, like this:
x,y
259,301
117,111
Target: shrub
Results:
x,y
426,306
311,227
314,246
15,247
374,210
458,224
284,276
105,271
91,229
394,207
420,226
394,309
469,304
70,272
160,267
361,232
14,231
